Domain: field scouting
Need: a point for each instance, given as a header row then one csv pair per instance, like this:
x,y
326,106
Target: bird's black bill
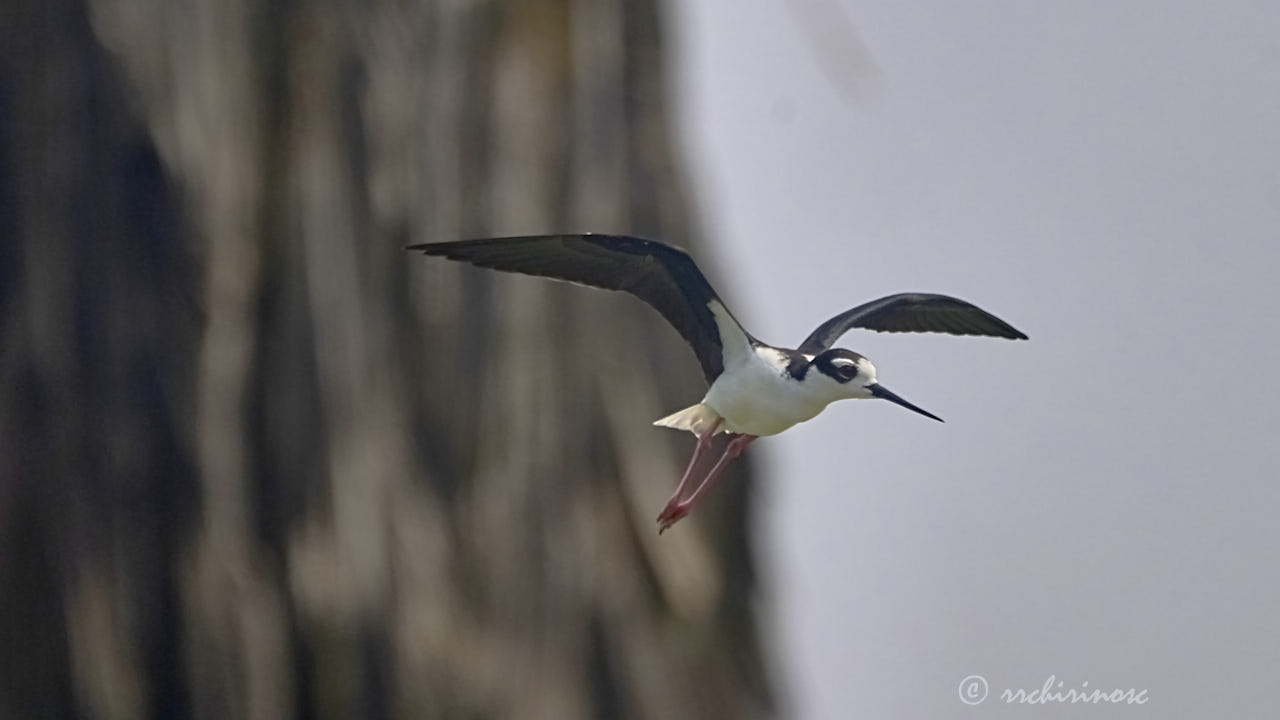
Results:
x,y
884,393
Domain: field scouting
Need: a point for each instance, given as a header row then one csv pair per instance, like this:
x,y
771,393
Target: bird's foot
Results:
x,y
672,514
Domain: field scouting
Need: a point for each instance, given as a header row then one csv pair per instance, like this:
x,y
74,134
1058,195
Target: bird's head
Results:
x,y
855,377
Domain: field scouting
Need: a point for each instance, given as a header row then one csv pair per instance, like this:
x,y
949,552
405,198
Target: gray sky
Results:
x,y
1102,503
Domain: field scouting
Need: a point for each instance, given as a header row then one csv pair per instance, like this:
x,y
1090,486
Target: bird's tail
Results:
x,y
697,419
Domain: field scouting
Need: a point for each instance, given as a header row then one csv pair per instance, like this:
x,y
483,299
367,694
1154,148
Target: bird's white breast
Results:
x,y
757,396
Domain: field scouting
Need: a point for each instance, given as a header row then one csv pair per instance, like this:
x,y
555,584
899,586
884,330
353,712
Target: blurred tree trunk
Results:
x,y
256,461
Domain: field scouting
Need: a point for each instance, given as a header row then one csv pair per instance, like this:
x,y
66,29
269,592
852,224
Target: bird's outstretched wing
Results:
x,y
911,312
663,276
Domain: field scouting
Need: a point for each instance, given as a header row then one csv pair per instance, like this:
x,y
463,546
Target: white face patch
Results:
x,y
867,372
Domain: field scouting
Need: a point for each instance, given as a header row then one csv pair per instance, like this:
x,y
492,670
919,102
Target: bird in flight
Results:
x,y
755,389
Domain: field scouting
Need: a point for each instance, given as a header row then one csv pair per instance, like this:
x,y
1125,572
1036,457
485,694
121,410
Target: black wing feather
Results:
x,y
663,276
911,312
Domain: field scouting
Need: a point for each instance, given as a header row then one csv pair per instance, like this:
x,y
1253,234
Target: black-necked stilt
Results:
x,y
756,389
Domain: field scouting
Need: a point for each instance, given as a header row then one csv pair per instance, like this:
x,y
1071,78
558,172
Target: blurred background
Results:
x,y
257,461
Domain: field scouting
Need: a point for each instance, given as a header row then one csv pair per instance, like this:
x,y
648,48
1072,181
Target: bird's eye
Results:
x,y
845,368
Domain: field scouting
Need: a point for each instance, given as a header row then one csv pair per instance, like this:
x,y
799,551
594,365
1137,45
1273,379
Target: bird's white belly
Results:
x,y
760,398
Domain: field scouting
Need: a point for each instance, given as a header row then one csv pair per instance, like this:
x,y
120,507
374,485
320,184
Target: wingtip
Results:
x,y
1011,333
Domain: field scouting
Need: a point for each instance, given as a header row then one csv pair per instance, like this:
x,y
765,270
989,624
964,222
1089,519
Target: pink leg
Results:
x,y
704,442
672,514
